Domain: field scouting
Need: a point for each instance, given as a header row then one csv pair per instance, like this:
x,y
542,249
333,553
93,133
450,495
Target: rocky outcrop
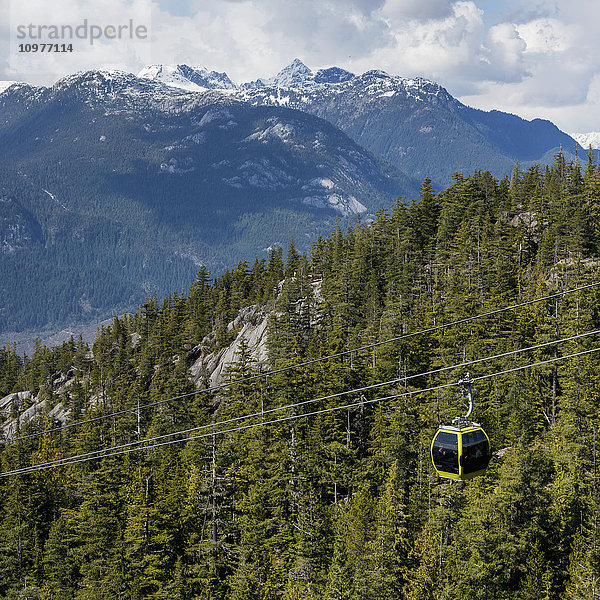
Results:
x,y
13,403
569,267
251,325
209,366
20,408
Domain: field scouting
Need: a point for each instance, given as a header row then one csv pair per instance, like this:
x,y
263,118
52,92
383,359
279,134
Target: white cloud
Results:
x,y
560,67
72,22
444,45
547,35
537,58
456,50
250,39
505,49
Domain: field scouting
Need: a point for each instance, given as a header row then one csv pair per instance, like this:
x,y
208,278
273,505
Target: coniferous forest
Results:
x,y
344,504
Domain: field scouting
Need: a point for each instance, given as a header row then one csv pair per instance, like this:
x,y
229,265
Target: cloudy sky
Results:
x,y
535,58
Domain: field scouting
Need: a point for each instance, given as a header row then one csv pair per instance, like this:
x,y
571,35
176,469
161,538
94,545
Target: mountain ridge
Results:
x,y
586,139
413,123
402,120
132,186
121,187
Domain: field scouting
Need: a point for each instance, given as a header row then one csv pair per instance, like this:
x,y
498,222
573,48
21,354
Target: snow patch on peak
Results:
x,y
295,74
191,79
4,85
333,75
96,83
586,139
169,75
94,76
375,74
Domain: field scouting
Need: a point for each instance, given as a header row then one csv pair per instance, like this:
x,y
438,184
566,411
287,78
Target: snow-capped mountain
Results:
x,y
298,75
5,84
123,96
121,187
586,139
192,79
412,123
157,174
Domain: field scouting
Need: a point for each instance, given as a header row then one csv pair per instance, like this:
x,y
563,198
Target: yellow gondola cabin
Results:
x,y
461,450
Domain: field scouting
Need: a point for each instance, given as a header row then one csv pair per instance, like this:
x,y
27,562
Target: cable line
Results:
x,y
109,452
353,391
313,361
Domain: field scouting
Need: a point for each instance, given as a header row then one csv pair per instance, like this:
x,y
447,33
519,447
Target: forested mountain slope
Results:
x,y
344,504
114,188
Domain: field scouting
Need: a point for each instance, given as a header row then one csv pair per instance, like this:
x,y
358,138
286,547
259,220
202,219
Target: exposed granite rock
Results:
x,y
9,428
252,326
57,416
16,401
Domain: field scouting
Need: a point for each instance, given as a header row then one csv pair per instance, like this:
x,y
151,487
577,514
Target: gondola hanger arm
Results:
x,y
466,381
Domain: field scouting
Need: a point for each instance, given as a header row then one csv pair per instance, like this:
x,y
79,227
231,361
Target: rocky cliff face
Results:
x,y
21,408
208,369
210,366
